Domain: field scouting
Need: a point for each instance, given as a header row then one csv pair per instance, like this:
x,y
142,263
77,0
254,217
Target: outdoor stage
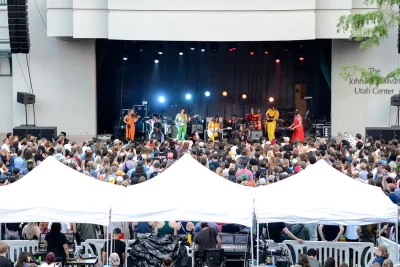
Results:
x,y
210,78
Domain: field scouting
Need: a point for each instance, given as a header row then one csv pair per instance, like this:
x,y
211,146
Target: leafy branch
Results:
x,y
371,29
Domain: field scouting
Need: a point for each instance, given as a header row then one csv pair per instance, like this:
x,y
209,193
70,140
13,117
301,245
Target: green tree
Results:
x,y
371,29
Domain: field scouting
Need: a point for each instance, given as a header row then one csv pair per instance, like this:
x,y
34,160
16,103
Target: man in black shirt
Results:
x,y
118,247
207,238
273,231
157,169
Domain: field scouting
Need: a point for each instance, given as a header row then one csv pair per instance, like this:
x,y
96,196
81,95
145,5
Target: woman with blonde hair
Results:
x,y
3,250
219,171
381,254
31,231
387,263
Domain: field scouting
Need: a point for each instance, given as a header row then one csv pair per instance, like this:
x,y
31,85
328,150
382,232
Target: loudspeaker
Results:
x,y
25,98
256,134
386,133
395,100
18,26
39,132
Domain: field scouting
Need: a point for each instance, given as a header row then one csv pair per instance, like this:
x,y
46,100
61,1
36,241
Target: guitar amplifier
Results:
x,y
256,134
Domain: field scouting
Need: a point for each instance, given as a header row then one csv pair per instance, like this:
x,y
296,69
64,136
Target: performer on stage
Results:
x,y
130,120
213,129
297,126
251,117
156,128
272,115
259,120
181,121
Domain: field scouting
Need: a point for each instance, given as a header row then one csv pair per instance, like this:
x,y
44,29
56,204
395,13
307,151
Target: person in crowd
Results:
x,y
31,231
166,228
51,260
4,262
273,231
330,232
312,258
114,260
143,229
303,261
387,263
168,262
330,262
118,247
24,259
207,238
56,242
381,254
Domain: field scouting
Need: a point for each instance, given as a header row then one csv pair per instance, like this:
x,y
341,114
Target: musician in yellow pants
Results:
x,y
214,128
272,115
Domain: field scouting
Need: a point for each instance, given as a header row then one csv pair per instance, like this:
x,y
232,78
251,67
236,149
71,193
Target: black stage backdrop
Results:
x,y
216,70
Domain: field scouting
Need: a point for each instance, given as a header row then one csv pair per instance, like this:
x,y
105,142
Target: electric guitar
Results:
x,y
212,132
181,122
271,119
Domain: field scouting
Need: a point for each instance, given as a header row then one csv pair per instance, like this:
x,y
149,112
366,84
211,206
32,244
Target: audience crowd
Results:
x,y
252,163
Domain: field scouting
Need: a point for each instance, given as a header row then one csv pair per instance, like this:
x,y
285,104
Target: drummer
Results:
x,y
252,117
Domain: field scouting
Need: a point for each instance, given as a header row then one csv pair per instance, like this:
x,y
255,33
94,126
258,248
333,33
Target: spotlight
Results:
x,y
251,50
271,100
192,48
244,96
203,50
156,61
277,60
125,58
181,49
224,93
160,48
207,93
230,50
188,96
266,49
301,58
161,99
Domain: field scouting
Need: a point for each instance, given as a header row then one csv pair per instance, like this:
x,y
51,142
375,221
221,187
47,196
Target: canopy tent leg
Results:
x,y
109,249
258,243
252,245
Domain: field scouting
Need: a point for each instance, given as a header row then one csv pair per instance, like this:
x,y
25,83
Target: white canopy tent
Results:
x,y
186,191
53,192
322,194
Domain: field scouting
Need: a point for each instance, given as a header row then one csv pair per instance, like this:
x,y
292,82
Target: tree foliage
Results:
x,y
371,29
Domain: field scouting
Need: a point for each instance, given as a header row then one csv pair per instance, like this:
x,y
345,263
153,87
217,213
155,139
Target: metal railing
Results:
x,y
3,2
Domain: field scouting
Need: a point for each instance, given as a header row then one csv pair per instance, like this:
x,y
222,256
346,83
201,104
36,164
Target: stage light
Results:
x,y
160,48
161,99
251,53
203,50
251,50
224,93
230,50
214,47
125,58
188,96
266,49
301,58
156,61
192,48
271,100
277,60
207,93
244,96
160,52
181,49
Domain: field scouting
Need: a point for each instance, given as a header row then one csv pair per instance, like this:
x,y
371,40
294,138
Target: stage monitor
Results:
x,y
227,239
240,239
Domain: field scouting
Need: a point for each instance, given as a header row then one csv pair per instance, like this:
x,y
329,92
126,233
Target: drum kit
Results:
x,y
242,128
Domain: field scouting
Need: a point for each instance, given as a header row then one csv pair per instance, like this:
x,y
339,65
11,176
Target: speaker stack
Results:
x,y
18,26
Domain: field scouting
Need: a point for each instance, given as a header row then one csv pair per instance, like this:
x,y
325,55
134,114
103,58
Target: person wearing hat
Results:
x,y
3,179
118,247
